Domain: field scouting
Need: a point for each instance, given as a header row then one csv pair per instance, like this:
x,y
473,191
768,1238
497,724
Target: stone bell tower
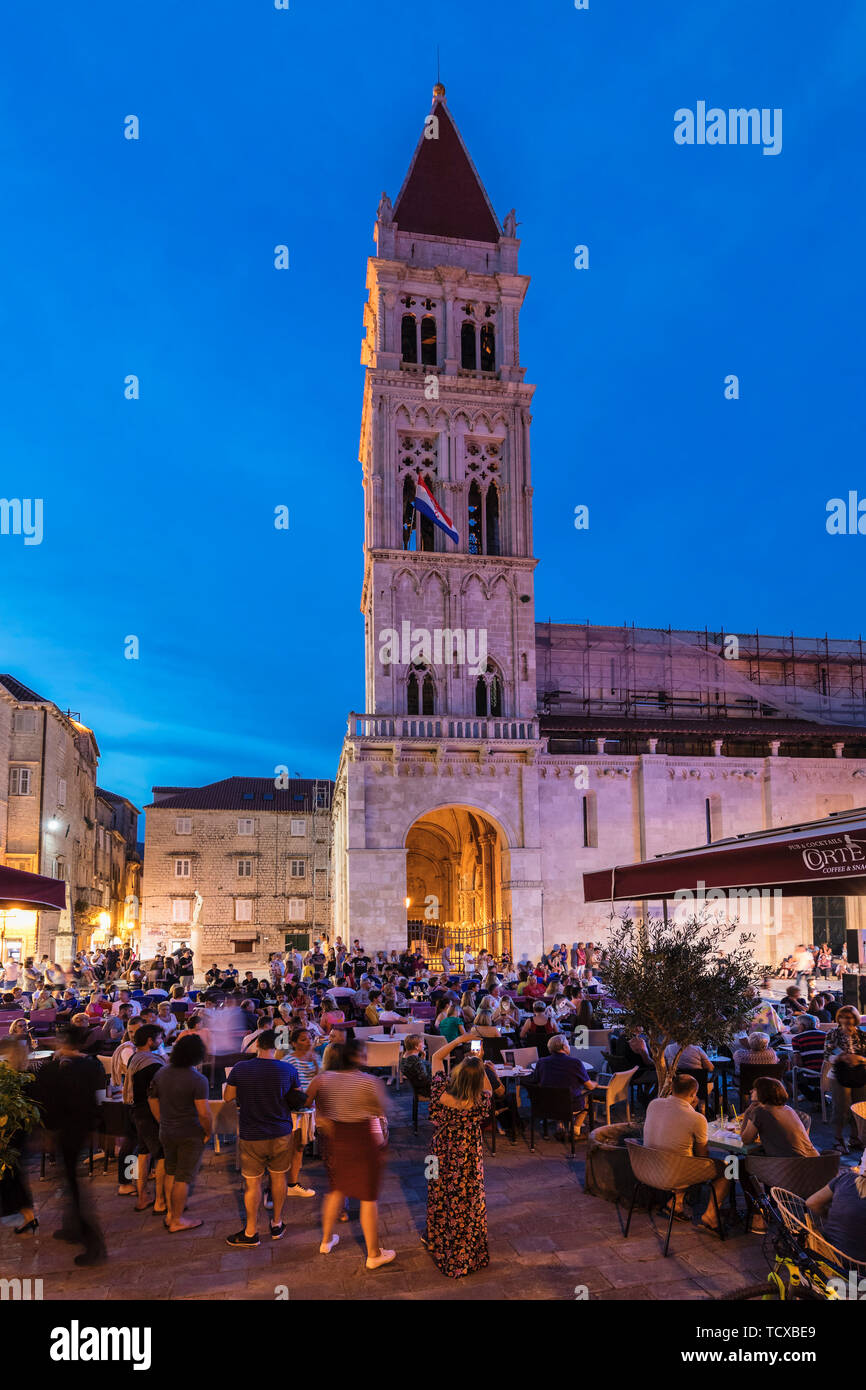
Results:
x,y
445,402
436,823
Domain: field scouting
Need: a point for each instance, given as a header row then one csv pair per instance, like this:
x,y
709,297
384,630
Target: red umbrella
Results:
x,y
817,857
20,889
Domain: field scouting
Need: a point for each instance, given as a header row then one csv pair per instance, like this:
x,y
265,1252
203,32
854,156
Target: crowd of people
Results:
x,y
290,1045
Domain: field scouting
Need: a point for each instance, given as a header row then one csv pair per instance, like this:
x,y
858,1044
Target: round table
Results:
x,y
38,1059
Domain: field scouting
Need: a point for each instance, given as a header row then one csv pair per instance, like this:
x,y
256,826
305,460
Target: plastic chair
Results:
x,y
362,1034
552,1103
749,1072
610,1091
858,1110
802,1175
385,1055
660,1170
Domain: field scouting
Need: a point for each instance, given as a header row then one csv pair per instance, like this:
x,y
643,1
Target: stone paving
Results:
x,y
547,1238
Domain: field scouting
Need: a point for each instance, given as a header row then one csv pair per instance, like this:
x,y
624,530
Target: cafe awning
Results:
x,y
823,857
29,891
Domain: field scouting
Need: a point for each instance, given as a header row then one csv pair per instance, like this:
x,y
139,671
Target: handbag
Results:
x,y
850,1075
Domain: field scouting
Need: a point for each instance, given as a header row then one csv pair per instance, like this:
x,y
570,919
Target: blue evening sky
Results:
x,y
261,127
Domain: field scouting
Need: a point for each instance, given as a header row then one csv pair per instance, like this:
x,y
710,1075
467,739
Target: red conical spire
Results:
x,y
442,194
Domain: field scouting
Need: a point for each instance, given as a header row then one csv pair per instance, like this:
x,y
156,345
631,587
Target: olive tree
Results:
x,y
681,982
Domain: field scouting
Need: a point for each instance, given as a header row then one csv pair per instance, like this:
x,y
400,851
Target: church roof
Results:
x,y
442,194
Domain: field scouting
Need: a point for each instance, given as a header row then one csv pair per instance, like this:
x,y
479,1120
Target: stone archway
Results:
x,y
457,869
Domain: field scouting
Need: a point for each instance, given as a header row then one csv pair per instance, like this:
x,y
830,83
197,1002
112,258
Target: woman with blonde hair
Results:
x,y
467,1008
456,1233
483,1025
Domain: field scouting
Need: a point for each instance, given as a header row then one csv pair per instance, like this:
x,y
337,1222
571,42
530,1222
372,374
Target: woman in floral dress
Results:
x,y
456,1212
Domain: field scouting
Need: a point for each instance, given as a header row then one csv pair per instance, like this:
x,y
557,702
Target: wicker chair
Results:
x,y
801,1174
661,1170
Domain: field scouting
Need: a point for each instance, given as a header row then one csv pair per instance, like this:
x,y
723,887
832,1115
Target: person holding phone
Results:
x,y
456,1232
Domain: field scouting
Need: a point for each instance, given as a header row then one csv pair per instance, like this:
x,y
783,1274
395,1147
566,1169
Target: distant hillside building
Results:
x,y
237,869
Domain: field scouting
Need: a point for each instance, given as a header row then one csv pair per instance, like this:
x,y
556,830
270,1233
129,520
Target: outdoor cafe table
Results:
x,y
37,1059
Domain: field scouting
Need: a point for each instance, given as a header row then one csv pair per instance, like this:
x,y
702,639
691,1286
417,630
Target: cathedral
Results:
x,y
497,759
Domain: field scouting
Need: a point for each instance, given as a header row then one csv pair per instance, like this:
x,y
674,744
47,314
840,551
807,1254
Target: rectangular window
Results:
x,y
183,825
243,948
713,818
20,781
243,909
181,868
245,868
298,827
246,827
61,791
589,814
58,868
829,923
296,910
299,868
26,721
180,909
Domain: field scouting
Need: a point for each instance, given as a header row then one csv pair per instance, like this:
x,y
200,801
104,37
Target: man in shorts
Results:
x,y
178,1101
141,1069
267,1091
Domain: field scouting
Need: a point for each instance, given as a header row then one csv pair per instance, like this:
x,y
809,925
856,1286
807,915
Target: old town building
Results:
x,y
237,869
50,824
498,758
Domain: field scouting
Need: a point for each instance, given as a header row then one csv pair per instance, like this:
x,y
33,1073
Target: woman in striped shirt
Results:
x,y
303,1058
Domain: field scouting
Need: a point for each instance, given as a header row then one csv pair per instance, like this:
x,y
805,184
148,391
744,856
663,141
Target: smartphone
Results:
x,y
475,1046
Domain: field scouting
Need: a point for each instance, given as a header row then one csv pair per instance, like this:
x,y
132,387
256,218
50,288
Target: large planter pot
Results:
x,y
608,1171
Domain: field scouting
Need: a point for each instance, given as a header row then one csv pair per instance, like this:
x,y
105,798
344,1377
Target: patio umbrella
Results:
x,y
815,857
22,890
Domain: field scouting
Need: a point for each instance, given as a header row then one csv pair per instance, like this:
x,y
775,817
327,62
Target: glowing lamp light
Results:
x,y
408,902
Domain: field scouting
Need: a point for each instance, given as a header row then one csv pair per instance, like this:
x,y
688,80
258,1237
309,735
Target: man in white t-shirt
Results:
x,y
804,964
673,1123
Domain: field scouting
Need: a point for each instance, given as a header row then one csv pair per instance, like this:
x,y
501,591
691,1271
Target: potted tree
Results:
x,y
682,982
18,1115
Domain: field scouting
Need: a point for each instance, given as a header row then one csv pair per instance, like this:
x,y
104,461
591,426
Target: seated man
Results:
x,y
558,1068
673,1122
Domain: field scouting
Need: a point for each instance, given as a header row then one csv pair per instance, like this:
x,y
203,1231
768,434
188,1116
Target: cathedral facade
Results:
x,y
497,759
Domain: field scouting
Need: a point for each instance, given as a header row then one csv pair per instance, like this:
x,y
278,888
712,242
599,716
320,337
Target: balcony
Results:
x,y
408,726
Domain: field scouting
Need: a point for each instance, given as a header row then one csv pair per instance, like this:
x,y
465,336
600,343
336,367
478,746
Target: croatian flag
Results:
x,y
426,503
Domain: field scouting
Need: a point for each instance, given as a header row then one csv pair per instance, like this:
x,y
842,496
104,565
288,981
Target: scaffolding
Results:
x,y
630,672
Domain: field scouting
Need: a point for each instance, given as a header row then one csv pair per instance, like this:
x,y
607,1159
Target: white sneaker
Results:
x,y
327,1245
295,1190
384,1257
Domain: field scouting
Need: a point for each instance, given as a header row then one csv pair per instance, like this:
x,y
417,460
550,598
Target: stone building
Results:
x,y
49,824
237,869
497,759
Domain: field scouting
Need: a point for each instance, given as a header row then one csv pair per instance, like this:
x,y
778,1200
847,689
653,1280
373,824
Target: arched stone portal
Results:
x,y
457,866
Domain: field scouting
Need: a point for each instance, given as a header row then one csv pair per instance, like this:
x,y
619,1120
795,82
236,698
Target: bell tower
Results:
x,y
448,598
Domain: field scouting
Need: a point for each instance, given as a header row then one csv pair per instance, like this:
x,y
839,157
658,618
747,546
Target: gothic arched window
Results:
x,y
408,511
420,693
488,694
428,341
409,339
468,351
475,520
488,348
492,518
412,694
